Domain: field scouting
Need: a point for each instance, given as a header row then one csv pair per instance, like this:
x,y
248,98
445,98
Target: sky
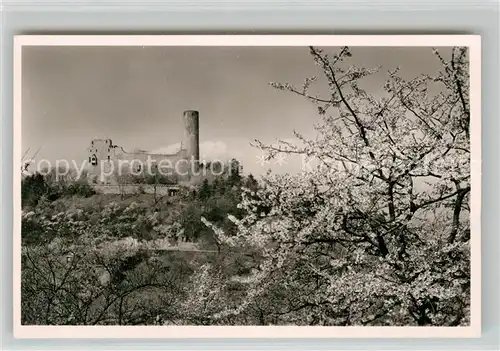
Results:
x,y
136,96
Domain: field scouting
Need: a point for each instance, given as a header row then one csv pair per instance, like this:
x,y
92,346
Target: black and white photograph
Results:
x,y
306,183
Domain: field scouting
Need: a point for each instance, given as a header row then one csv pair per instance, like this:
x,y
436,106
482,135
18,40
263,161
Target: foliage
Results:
x,y
36,186
70,282
95,259
79,189
375,229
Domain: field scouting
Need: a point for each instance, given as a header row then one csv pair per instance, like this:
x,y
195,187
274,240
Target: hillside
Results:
x,y
105,255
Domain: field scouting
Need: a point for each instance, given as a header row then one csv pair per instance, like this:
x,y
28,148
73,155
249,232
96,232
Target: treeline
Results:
x,y
93,245
36,186
44,197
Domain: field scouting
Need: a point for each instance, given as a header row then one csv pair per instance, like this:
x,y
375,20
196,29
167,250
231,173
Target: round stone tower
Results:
x,y
192,135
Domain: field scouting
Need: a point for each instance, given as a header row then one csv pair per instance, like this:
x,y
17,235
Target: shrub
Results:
x,y
79,189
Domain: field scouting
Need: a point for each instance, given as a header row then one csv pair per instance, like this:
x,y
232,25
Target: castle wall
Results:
x,y
120,169
131,189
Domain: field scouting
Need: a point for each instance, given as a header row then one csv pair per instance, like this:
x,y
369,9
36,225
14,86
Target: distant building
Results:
x,y
111,164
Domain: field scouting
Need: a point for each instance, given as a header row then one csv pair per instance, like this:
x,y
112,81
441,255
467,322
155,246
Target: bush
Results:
x,y
79,189
37,185
34,187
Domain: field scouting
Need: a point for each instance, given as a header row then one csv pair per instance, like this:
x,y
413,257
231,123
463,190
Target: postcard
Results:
x,y
247,186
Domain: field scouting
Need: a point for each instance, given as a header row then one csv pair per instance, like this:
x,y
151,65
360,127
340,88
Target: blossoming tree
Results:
x,y
375,231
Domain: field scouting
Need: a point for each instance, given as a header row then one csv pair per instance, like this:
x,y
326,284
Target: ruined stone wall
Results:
x,y
111,164
114,165
133,189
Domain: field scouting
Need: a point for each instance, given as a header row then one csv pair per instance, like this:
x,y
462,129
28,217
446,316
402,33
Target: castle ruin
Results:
x,y
110,164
